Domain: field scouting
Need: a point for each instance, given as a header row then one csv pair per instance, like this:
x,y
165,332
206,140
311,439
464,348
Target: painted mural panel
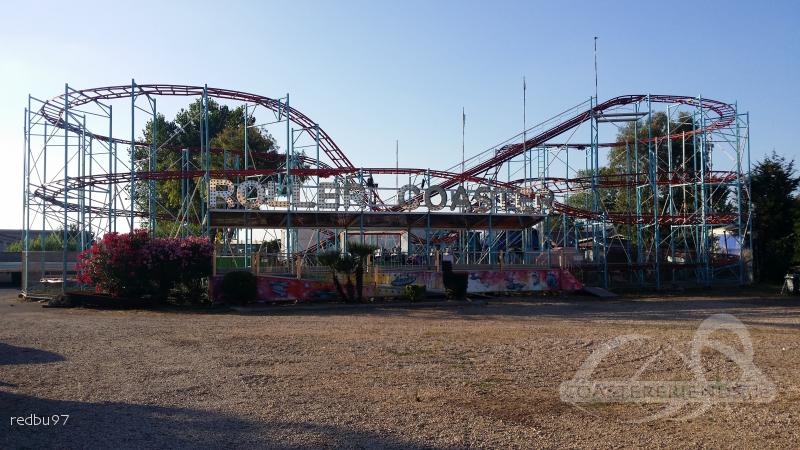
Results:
x,y
513,281
392,284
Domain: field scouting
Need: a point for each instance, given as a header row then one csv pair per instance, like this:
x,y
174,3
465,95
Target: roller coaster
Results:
x,y
81,181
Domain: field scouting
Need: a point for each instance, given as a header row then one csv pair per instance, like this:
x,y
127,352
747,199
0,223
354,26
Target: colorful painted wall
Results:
x,y
392,284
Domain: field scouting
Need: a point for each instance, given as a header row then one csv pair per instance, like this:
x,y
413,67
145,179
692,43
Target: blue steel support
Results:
x,y
153,167
202,158
696,228
26,181
597,208
739,232
133,152
566,200
247,231
653,171
638,187
704,201
81,225
65,241
112,198
629,197
289,243
206,162
184,215
361,215
116,190
316,140
670,201
44,177
428,226
490,239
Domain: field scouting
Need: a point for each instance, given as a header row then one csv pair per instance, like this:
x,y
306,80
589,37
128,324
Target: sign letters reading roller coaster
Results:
x,y
254,195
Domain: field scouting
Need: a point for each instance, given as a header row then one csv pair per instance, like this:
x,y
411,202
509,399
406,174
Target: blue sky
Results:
x,y
372,72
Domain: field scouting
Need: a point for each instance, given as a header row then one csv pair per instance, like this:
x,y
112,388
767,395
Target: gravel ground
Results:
x,y
382,377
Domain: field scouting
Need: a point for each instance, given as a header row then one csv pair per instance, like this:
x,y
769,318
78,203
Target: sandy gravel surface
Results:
x,y
442,377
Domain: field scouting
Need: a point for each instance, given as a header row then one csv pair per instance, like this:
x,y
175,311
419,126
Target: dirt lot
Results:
x,y
377,377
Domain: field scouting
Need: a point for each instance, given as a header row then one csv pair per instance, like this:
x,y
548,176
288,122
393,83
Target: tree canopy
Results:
x,y
226,130
776,223
658,146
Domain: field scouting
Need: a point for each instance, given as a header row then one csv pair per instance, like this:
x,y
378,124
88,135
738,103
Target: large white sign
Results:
x,y
251,194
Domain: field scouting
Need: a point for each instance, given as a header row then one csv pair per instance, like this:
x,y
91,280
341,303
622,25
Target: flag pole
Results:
x,y
524,131
463,125
595,69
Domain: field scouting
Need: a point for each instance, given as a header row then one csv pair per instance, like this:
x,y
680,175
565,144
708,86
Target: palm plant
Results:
x,y
332,259
360,252
345,265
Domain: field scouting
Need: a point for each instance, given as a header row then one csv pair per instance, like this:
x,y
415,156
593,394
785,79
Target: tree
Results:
x,y
54,241
662,147
680,158
796,229
608,198
226,130
773,185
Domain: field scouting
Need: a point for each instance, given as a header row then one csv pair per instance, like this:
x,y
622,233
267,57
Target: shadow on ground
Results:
x,y
123,425
10,354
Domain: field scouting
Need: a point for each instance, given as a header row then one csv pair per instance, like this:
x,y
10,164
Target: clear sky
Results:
x,y
374,71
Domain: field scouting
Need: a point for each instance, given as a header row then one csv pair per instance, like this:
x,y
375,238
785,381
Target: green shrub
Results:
x,y
52,242
239,287
455,284
415,292
61,301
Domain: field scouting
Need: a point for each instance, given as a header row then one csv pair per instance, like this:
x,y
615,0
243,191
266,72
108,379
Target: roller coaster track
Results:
x,y
53,110
724,115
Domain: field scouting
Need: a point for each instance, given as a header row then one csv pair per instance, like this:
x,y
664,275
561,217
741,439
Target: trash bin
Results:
x,y
791,284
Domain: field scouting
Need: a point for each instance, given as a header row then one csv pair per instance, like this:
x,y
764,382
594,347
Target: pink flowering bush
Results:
x,y
136,265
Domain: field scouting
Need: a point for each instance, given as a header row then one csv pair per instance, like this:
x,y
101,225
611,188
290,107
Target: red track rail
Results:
x,y
53,109
726,114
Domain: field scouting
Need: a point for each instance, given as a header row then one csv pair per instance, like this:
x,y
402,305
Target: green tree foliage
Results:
x,y
796,228
773,185
678,158
226,130
54,241
172,229
608,199
661,146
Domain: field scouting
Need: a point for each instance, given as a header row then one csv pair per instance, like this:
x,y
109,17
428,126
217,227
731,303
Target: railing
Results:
x,y
279,264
